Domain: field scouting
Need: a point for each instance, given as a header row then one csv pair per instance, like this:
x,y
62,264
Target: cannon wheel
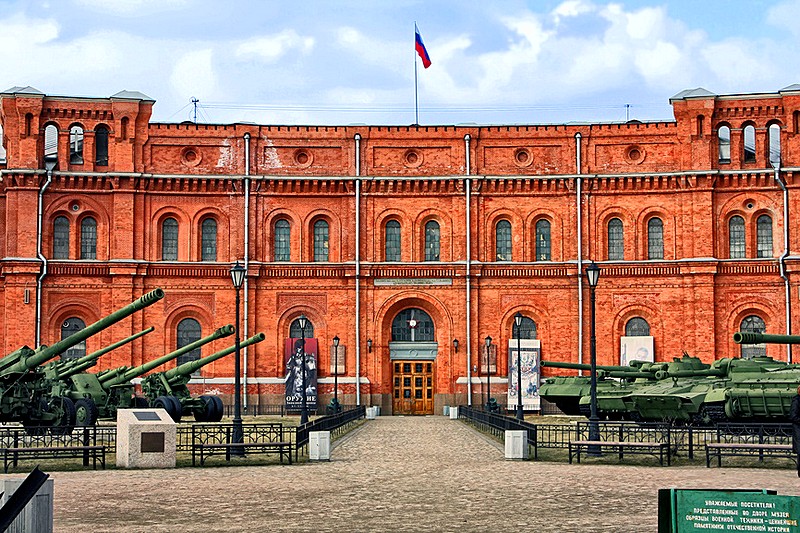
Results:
x,y
207,409
219,409
171,405
140,402
65,419
177,409
86,412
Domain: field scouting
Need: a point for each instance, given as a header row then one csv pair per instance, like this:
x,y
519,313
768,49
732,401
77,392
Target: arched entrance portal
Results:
x,y
413,353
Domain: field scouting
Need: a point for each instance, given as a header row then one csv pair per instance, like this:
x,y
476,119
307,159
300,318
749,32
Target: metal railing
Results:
x,y
498,424
336,424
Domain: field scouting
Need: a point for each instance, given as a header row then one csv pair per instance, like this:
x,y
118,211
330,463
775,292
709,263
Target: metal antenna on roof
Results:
x,y
627,112
194,102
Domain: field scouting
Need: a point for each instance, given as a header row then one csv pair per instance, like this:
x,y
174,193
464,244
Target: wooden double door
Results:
x,y
413,387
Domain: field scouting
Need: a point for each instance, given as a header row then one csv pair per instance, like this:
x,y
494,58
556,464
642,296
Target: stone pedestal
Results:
x,y
37,516
516,444
319,445
146,438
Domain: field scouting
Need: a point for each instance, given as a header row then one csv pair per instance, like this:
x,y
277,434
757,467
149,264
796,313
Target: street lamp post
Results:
x,y
303,322
237,276
518,323
592,276
488,374
336,408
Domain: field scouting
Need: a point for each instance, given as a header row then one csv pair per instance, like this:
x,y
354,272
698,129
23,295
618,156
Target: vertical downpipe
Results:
x,y
579,183
246,254
40,255
782,260
468,186
358,268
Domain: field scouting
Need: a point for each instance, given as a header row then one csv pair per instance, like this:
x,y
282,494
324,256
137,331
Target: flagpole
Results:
x,y
416,87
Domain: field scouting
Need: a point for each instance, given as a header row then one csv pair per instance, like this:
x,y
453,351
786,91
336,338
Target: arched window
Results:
x,y
123,128
70,327
321,241
101,146
749,144
724,141
61,238
413,325
296,333
76,145
282,244
502,245
616,248
655,238
169,240
392,244
764,236
527,329
774,144
51,143
208,238
88,238
188,332
753,324
637,327
432,241
543,240
736,237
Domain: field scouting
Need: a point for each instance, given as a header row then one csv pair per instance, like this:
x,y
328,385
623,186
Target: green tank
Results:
x,y
169,389
26,396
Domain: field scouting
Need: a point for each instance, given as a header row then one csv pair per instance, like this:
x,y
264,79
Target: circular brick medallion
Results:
x,y
190,156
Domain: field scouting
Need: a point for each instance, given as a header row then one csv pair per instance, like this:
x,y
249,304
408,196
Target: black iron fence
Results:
x,y
498,424
337,424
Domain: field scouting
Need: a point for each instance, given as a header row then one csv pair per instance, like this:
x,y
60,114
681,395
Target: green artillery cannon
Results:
x,y
25,396
168,390
102,394
748,337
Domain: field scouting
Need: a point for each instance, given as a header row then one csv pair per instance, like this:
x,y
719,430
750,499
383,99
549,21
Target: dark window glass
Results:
x,y
432,241
101,146
637,327
296,333
282,243
61,238
724,141
774,144
320,241
502,233
655,239
188,332
526,330
392,241
616,248
208,232
764,236
749,144
753,324
736,237
411,325
69,327
543,240
76,145
169,240
88,238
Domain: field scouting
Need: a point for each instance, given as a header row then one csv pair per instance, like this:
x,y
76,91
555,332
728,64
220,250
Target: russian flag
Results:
x,y
420,47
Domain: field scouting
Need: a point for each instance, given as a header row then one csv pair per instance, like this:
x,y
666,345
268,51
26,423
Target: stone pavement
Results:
x,y
392,474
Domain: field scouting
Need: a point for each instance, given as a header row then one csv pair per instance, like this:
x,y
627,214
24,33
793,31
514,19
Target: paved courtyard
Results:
x,y
392,474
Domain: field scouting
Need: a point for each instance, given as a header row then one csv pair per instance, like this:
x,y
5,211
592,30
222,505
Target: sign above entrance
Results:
x,y
411,281
413,350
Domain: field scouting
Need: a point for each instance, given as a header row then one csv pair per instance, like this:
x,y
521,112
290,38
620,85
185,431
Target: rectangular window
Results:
x,y
321,241
392,241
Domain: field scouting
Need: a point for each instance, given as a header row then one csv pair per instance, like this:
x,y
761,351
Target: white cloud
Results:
x,y
570,9
273,47
785,15
193,74
131,7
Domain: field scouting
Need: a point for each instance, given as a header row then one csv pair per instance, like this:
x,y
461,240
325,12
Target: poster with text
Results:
x,y
531,352
294,357
636,349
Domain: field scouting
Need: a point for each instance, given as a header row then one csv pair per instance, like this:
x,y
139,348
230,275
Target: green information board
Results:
x,y
692,511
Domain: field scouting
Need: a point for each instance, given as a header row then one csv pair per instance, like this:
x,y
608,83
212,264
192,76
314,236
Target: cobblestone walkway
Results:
x,y
393,474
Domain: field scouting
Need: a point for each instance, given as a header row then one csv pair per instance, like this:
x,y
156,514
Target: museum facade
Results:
x,y
409,244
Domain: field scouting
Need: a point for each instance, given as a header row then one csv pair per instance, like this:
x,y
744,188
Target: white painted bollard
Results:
x,y
37,516
370,413
516,444
319,445
454,413
446,410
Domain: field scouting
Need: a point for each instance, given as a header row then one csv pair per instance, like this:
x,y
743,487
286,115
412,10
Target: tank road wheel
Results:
x,y
219,409
204,414
86,412
65,415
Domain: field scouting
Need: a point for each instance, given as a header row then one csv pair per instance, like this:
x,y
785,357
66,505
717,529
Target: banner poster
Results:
x,y
292,349
531,351
636,348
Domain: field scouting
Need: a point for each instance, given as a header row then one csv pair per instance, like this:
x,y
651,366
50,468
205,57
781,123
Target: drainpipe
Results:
x,y
358,268
49,164
579,183
246,254
468,186
782,261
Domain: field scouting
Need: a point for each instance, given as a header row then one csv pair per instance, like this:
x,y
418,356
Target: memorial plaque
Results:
x,y
145,416
153,442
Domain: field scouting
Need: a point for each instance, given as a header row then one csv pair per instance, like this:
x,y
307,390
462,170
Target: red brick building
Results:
x,y
356,226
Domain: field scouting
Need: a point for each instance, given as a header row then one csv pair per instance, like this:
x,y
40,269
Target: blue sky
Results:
x,y
345,62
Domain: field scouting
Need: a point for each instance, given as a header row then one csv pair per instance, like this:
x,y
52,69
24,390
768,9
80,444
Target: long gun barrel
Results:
x,y
633,367
70,367
124,374
192,366
748,337
24,359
